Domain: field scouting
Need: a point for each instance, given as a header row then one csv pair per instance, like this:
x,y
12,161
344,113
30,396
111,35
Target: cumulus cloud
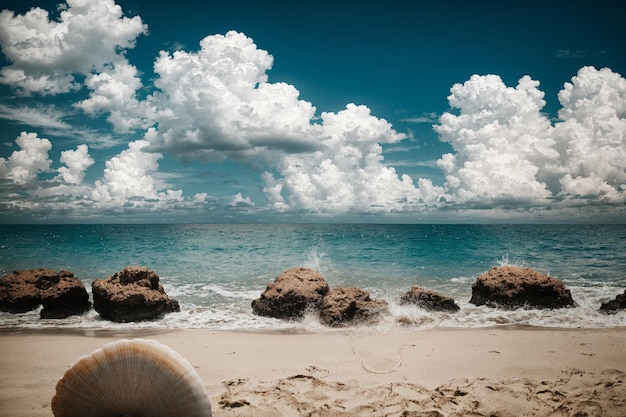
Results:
x,y
239,201
348,172
46,54
76,163
217,103
127,177
507,151
23,166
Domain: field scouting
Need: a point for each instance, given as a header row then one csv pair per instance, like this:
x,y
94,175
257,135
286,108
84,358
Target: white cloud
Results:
x,y
113,91
47,117
127,176
592,136
347,173
76,163
507,151
216,103
23,166
239,201
45,54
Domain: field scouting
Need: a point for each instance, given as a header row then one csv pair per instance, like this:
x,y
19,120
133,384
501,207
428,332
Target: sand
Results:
x,y
478,372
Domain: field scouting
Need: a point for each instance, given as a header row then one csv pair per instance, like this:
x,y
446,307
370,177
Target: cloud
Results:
x,y
217,103
46,54
576,53
127,176
46,117
239,201
506,151
113,91
592,135
76,163
23,166
347,173
424,118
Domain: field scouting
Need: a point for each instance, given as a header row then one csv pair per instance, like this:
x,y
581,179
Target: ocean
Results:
x,y
216,270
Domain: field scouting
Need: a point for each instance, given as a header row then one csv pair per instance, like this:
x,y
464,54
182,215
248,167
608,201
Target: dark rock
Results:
x,y
60,293
514,287
342,306
133,294
428,299
618,303
63,296
291,294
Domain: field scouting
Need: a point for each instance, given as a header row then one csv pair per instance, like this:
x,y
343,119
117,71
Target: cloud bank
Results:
x,y
216,104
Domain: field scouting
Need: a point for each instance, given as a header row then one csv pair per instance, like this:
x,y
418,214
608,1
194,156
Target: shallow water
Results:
x,y
215,271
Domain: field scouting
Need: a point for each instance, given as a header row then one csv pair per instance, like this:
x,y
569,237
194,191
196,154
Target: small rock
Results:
x,y
428,299
342,306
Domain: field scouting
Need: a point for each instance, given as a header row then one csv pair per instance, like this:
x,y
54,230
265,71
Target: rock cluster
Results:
x,y
133,294
298,290
60,293
428,299
514,287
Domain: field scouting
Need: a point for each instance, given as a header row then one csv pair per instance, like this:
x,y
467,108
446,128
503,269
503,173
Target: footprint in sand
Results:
x,y
317,372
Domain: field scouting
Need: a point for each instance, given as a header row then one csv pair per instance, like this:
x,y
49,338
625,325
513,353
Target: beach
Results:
x,y
508,371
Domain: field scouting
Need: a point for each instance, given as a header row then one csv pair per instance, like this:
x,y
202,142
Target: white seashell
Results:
x,y
131,378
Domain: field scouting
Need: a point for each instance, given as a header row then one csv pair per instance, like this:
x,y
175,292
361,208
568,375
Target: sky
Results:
x,y
328,111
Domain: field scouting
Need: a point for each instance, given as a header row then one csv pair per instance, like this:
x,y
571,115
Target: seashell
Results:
x,y
131,378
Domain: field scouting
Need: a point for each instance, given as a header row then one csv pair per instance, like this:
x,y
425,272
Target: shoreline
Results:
x,y
354,371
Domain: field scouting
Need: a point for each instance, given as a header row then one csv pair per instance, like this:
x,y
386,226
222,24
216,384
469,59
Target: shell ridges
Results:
x,y
131,377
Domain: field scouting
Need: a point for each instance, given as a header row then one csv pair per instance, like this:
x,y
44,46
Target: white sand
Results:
x,y
485,372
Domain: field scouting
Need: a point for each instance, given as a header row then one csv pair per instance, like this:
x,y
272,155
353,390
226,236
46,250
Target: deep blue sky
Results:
x,y
399,59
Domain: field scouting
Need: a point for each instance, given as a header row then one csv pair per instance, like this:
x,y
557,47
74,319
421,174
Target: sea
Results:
x,y
216,270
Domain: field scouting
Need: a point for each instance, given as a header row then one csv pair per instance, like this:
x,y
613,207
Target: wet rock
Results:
x,y
428,299
514,287
60,293
618,303
344,306
291,294
133,294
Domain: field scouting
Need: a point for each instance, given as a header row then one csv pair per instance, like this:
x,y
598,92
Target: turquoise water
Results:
x,y
215,271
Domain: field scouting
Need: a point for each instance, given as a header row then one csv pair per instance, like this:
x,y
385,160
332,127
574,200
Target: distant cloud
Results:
x,y
424,118
576,53
46,117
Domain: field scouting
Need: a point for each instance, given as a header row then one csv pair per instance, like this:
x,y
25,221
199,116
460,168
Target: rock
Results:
x,y
514,287
428,299
64,296
60,293
291,294
618,303
342,306
133,294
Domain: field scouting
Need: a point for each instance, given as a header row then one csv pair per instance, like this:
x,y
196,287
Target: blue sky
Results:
x,y
369,111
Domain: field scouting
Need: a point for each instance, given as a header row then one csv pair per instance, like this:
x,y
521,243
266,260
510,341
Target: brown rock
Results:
x,y
428,299
291,294
618,303
61,294
342,306
514,287
133,294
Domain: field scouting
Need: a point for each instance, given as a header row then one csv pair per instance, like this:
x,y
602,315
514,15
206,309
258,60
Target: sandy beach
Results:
x,y
477,372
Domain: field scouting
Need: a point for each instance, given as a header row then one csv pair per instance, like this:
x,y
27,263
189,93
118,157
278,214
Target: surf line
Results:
x,y
377,371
